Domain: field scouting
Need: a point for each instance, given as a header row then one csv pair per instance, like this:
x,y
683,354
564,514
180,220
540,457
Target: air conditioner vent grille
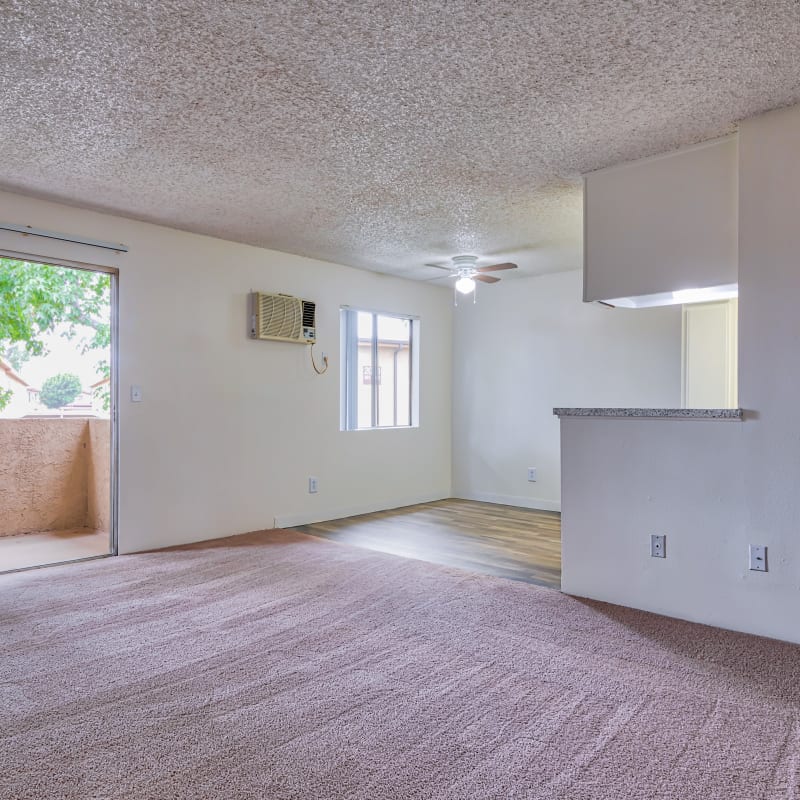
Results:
x,y
309,313
283,318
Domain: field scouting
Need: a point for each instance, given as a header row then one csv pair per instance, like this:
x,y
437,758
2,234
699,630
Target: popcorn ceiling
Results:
x,y
379,134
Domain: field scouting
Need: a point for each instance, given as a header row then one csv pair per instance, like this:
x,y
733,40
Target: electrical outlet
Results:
x,y
758,557
532,474
313,485
658,545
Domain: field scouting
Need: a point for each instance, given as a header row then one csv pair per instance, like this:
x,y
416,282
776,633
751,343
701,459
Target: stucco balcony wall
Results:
x,y
54,475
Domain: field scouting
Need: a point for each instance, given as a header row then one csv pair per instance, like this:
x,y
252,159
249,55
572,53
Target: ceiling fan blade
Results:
x,y
439,266
497,267
486,278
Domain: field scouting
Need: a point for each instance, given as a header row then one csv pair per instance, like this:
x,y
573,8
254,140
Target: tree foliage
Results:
x,y
35,298
60,390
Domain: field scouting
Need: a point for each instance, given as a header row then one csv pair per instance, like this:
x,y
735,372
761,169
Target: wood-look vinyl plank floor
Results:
x,y
518,543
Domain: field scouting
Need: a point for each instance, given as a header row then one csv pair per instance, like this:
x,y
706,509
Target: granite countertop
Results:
x,y
668,413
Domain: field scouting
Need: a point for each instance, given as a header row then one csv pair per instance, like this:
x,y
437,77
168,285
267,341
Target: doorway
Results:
x,y
709,361
57,412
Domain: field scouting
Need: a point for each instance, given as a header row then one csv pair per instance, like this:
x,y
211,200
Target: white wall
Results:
x,y
230,429
529,345
712,487
625,479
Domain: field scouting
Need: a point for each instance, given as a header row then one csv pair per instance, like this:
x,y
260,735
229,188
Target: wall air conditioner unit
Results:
x,y
282,318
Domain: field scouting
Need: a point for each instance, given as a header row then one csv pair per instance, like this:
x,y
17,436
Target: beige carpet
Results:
x,y
279,666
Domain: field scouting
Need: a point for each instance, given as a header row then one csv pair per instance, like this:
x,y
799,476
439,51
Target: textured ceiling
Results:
x,y
381,134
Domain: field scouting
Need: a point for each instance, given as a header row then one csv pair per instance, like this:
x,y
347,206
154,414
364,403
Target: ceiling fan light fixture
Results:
x,y
465,285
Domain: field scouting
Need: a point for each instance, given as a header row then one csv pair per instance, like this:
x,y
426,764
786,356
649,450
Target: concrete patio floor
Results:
x,y
51,547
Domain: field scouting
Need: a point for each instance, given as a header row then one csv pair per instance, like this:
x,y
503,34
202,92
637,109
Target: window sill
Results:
x,y
382,428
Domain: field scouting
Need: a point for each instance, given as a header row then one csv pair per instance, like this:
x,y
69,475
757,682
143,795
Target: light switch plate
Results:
x,y
136,394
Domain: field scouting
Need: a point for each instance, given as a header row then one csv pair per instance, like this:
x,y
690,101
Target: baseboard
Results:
x,y
325,515
511,500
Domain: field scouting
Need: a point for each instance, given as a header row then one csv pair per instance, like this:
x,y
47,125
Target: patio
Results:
x,y
54,490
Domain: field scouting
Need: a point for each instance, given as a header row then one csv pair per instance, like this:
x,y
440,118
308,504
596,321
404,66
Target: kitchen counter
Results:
x,y
653,413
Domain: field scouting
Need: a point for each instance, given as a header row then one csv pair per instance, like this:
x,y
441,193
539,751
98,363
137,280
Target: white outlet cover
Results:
x,y
532,474
758,557
136,394
658,545
313,485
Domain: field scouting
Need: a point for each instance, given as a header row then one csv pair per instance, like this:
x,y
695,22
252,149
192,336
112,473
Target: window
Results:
x,y
379,370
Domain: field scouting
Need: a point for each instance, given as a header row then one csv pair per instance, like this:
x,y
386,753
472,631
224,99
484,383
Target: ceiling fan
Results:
x,y
466,271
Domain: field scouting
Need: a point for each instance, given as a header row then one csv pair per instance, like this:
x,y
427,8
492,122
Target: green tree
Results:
x,y
35,298
60,390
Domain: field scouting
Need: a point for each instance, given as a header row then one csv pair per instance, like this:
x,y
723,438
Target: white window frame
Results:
x,y
349,375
